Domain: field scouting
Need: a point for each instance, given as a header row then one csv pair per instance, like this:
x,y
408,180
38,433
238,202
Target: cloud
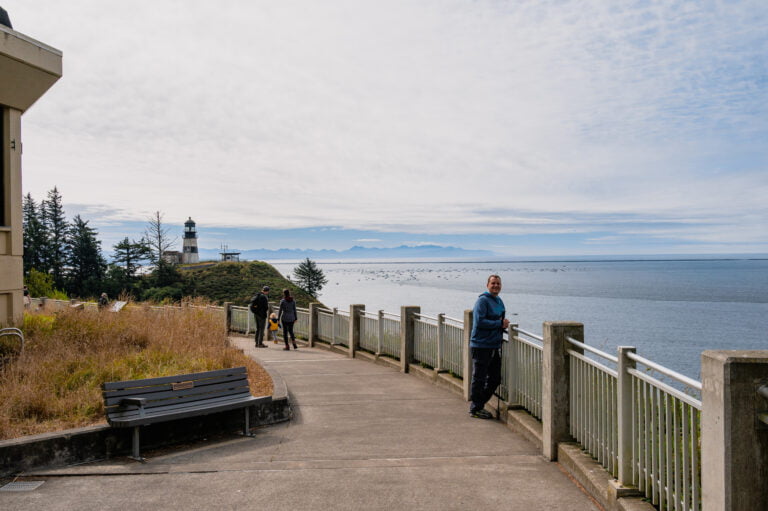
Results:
x,y
437,116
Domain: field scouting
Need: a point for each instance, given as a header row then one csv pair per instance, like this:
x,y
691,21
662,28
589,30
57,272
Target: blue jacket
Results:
x,y
487,320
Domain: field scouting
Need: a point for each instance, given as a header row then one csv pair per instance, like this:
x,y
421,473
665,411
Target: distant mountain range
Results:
x,y
356,252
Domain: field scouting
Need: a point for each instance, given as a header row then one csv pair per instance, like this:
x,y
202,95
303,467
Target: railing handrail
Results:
x,y
448,318
665,371
590,349
424,316
682,396
15,332
528,334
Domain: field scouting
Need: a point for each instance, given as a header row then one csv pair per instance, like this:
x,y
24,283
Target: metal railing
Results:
x,y
521,370
593,404
666,450
452,352
333,326
241,320
301,327
427,333
13,332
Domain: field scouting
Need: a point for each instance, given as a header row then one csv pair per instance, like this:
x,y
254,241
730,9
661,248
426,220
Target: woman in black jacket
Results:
x,y
287,316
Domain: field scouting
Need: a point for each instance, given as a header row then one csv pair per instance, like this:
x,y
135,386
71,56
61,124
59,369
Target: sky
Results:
x,y
525,127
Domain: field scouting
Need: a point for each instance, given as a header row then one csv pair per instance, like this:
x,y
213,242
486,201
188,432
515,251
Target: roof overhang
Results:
x,y
28,68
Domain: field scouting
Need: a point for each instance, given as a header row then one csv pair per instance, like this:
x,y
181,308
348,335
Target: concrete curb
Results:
x,y
94,443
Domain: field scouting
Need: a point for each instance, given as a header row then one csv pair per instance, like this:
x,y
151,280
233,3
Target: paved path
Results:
x,y
363,437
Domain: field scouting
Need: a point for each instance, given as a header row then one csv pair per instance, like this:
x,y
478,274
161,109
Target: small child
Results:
x,y
273,325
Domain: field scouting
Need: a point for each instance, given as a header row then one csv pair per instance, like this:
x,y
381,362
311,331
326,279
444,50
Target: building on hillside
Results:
x,y
227,256
28,68
189,249
172,256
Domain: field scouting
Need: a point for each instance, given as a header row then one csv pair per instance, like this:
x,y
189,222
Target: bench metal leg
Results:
x,y
247,430
136,446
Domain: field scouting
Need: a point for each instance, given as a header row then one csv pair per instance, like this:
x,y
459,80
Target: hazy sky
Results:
x,y
523,127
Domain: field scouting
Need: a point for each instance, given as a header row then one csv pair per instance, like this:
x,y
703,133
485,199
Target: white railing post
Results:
x,y
440,342
381,333
511,359
624,414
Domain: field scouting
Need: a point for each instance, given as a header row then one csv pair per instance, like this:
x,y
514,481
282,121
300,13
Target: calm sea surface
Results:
x,y
670,310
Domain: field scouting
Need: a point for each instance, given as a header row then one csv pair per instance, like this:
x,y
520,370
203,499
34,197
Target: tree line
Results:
x,y
64,257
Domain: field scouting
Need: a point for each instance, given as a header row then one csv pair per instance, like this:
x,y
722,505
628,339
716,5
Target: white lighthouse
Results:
x,y
189,254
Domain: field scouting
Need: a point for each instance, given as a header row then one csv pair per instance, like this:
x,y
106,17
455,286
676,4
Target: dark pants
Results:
x,y
261,323
486,376
288,331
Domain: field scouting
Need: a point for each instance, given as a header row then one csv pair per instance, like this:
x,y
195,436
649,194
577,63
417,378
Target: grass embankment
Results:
x,y
55,383
238,282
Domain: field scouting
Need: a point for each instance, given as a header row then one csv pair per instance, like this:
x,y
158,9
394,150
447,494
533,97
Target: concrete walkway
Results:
x,y
363,436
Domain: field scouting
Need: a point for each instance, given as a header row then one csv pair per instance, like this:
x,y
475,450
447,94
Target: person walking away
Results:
x,y
27,299
103,301
288,317
488,325
273,326
260,308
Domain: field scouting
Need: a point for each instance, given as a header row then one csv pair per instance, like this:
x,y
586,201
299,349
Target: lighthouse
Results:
x,y
189,255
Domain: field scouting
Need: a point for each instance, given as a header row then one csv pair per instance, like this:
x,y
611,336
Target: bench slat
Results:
x,y
165,392
171,379
187,398
133,411
189,412
148,389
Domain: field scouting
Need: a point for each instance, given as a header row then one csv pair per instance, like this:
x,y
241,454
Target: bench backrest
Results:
x,y
175,391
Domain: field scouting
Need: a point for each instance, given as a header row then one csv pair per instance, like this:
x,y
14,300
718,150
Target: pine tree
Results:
x,y
309,277
35,236
129,254
85,264
56,226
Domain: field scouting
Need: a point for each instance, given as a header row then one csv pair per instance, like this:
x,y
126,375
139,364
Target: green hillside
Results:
x,y
238,282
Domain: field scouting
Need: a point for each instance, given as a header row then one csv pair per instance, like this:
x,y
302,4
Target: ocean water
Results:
x,y
670,310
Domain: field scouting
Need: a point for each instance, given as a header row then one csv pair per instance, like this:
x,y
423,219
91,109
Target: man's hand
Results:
x,y
505,324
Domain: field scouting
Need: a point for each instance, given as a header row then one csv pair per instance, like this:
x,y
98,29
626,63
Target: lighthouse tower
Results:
x,y
190,243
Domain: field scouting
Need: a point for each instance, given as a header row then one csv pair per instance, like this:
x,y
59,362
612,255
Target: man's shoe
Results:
x,y
480,414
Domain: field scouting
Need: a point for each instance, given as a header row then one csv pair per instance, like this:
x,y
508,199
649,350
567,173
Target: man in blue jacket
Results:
x,y
488,325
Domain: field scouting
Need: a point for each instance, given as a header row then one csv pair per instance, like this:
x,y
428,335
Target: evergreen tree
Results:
x,y
85,264
309,277
56,226
35,236
129,254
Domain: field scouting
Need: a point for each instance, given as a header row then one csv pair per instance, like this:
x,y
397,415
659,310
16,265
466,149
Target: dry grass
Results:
x,y
55,383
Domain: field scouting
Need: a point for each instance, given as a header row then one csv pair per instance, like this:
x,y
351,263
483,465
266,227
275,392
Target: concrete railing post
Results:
x,y
555,402
512,364
407,322
227,317
734,442
313,308
355,317
440,342
333,325
467,355
624,413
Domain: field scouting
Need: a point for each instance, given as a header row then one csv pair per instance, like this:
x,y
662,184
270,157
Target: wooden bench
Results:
x,y
135,403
